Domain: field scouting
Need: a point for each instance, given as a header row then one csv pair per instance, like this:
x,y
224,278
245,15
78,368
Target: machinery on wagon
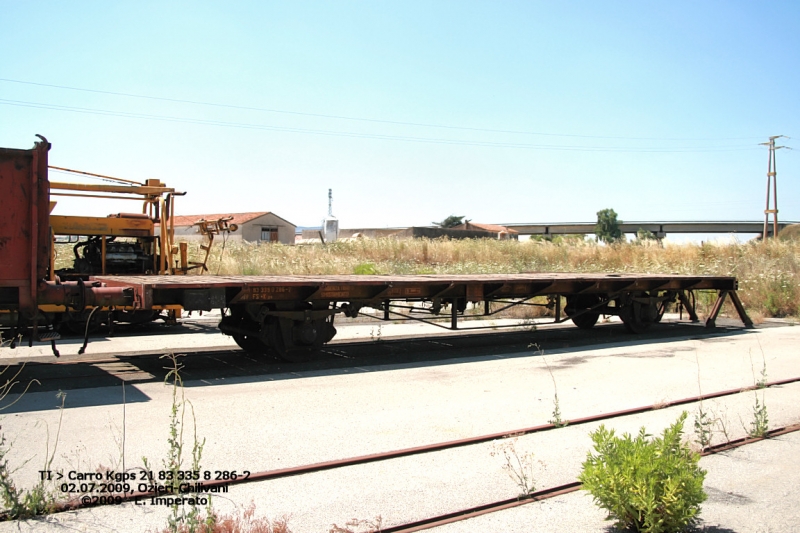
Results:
x,y
122,243
140,243
128,267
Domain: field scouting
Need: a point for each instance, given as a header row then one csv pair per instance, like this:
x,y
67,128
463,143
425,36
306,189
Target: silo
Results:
x,y
330,224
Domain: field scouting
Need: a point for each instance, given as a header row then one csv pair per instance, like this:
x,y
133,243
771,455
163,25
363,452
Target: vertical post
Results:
x,y
454,314
486,309
386,309
52,256
558,308
774,193
772,186
103,254
184,247
162,242
34,282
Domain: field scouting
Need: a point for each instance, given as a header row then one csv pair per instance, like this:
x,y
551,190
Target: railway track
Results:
x,y
474,511
356,355
550,492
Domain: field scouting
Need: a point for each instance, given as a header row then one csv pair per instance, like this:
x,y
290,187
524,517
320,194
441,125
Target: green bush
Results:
x,y
650,485
365,269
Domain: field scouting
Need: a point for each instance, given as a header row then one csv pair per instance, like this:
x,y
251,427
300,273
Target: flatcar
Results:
x,y
287,316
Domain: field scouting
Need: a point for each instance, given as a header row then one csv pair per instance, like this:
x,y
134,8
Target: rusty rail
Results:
x,y
551,492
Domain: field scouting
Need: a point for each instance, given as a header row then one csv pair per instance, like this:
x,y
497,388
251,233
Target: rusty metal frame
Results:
x,y
711,321
681,297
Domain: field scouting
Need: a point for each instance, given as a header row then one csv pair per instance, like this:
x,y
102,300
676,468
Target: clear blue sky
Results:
x,y
412,111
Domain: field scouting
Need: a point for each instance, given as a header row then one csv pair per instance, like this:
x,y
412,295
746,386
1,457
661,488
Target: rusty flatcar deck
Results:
x,y
161,290
293,315
414,278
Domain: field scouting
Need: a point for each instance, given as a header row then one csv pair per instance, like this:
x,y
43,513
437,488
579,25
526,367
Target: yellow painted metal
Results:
x,y
51,308
158,203
154,188
110,226
101,196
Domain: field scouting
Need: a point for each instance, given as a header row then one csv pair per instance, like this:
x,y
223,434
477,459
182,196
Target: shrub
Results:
x,y
654,486
365,269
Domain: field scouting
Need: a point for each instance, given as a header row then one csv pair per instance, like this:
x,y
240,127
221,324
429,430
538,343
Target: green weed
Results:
x,y
555,417
703,427
41,498
703,423
759,425
181,520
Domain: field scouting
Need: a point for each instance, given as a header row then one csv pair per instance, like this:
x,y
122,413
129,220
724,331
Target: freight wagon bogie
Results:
x,y
638,310
289,330
294,330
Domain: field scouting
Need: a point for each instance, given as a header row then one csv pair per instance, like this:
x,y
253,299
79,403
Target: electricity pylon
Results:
x,y
772,186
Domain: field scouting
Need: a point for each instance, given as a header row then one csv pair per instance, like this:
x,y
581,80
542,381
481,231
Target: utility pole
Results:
x,y
772,186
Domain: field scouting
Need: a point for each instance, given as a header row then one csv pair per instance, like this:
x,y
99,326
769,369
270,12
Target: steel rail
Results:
x,y
267,475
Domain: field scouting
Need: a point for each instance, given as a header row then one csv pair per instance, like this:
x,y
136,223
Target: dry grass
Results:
x,y
768,272
790,233
240,523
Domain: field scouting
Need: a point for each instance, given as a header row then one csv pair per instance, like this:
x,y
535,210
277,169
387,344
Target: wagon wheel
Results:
x,y
247,336
252,345
279,331
578,303
638,316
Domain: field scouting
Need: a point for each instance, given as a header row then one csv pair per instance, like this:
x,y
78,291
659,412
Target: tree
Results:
x,y
450,222
607,228
645,235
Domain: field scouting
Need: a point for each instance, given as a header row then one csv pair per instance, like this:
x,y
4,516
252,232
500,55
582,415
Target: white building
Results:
x,y
261,226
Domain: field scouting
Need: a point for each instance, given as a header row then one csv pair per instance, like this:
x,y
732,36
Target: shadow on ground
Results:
x,y
98,379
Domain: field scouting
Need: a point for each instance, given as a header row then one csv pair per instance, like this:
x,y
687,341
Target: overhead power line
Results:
x,y
362,119
352,134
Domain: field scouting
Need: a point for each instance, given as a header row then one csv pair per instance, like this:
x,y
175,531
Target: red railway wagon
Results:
x,y
291,316
27,280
